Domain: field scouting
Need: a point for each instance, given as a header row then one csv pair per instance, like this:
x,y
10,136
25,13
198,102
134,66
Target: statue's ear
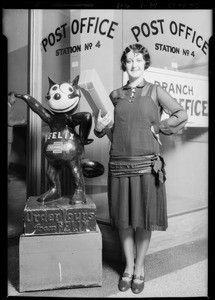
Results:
x,y
51,83
75,81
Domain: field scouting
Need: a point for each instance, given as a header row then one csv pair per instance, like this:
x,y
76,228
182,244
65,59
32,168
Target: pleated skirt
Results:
x,y
137,201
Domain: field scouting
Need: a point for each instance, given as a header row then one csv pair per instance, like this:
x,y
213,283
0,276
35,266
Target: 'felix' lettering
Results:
x,y
58,135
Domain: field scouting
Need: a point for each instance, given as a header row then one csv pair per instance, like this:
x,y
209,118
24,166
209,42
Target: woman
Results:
x,y
137,196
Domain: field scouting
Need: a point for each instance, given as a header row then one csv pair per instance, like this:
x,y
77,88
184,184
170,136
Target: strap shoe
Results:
x,y
125,285
137,287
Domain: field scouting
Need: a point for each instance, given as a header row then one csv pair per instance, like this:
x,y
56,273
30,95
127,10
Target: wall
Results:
x,y
15,28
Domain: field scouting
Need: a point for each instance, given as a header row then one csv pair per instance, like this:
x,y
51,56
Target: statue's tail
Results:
x,y
92,168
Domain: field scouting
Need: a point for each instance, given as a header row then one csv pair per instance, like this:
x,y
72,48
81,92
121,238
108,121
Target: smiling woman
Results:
x,y
139,50
135,64
136,183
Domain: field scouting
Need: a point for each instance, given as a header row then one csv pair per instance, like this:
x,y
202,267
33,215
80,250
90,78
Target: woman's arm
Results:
x,y
177,115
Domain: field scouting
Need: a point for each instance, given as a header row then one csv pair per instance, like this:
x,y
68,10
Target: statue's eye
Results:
x,y
53,88
70,96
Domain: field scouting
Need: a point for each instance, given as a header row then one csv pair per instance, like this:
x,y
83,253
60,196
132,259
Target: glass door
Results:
x,y
64,44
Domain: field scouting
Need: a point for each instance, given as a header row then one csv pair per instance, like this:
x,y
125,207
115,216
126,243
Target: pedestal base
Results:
x,y
60,261
58,217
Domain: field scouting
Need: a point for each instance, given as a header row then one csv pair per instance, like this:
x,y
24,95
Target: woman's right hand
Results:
x,y
102,122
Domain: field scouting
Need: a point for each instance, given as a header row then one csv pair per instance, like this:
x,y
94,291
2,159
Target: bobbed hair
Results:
x,y
136,48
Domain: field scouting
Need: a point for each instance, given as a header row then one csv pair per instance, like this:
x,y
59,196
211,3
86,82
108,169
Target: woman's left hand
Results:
x,y
102,122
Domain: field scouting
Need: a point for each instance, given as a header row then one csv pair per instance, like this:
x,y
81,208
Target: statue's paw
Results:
x,y
22,96
92,168
79,197
87,142
49,196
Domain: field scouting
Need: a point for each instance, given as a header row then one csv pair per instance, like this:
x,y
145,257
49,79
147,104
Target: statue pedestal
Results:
x,y
58,217
68,256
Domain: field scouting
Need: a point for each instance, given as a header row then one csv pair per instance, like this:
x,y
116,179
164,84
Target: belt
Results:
x,y
137,165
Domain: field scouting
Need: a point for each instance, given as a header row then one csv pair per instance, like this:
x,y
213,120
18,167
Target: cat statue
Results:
x,y
64,147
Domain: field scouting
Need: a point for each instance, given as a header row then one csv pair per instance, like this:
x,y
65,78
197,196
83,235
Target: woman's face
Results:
x,y
134,64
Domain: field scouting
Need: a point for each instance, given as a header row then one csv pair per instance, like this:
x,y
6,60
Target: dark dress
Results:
x,y
136,181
